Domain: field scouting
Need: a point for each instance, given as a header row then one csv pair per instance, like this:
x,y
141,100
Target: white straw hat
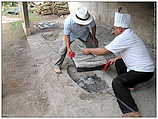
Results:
x,y
122,20
82,16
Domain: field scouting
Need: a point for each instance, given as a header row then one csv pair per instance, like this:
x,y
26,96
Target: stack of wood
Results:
x,y
56,8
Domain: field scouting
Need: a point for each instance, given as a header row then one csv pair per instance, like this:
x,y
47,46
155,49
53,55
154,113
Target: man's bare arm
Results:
x,y
113,60
94,34
67,40
95,51
93,31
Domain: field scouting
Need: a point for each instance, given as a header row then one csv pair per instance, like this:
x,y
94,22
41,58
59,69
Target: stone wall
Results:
x,y
143,16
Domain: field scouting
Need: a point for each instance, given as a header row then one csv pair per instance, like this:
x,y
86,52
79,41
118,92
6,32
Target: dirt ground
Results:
x,y
30,88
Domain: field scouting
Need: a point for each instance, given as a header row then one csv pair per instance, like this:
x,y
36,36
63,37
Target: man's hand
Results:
x,y
113,60
68,51
85,51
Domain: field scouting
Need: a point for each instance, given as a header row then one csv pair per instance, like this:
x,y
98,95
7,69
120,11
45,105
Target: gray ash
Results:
x,y
91,83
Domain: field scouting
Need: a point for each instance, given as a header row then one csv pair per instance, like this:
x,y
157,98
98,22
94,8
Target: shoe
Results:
x,y
57,69
132,114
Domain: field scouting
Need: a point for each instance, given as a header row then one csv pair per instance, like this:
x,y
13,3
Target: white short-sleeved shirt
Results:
x,y
133,51
75,30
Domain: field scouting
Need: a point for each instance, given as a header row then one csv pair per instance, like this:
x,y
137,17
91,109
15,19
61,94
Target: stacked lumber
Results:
x,y
56,8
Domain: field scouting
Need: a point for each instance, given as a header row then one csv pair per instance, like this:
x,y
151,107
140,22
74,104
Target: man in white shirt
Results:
x,y
133,63
77,26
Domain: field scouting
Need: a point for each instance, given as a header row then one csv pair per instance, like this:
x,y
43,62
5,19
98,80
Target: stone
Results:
x,y
90,60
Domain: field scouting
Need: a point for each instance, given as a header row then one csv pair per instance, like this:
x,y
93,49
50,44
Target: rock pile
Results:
x,y
91,83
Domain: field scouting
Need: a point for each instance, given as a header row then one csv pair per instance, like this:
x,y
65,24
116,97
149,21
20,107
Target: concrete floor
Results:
x,y
32,89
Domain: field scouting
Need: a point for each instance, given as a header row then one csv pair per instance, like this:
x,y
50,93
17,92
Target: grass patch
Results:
x,y
16,24
17,29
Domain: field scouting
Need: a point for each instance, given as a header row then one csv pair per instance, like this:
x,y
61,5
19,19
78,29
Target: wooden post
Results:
x,y
25,17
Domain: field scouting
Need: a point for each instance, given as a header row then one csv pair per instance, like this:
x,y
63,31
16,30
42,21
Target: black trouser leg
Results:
x,y
124,81
123,93
120,90
120,66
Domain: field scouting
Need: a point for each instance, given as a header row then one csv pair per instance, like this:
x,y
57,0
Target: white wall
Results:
x,y
143,20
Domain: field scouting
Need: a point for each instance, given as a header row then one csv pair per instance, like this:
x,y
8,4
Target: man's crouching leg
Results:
x,y
62,52
124,99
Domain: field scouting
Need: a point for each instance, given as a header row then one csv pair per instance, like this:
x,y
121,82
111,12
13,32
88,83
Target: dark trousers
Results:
x,y
126,80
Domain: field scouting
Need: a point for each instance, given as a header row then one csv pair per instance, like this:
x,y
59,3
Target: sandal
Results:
x,y
132,114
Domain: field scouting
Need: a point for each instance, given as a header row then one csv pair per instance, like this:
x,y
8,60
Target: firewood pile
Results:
x,y
56,8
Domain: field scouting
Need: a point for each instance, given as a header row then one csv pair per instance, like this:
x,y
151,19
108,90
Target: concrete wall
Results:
x,y
143,17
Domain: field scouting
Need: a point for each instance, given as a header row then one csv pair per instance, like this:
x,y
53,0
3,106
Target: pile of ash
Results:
x,y
91,83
